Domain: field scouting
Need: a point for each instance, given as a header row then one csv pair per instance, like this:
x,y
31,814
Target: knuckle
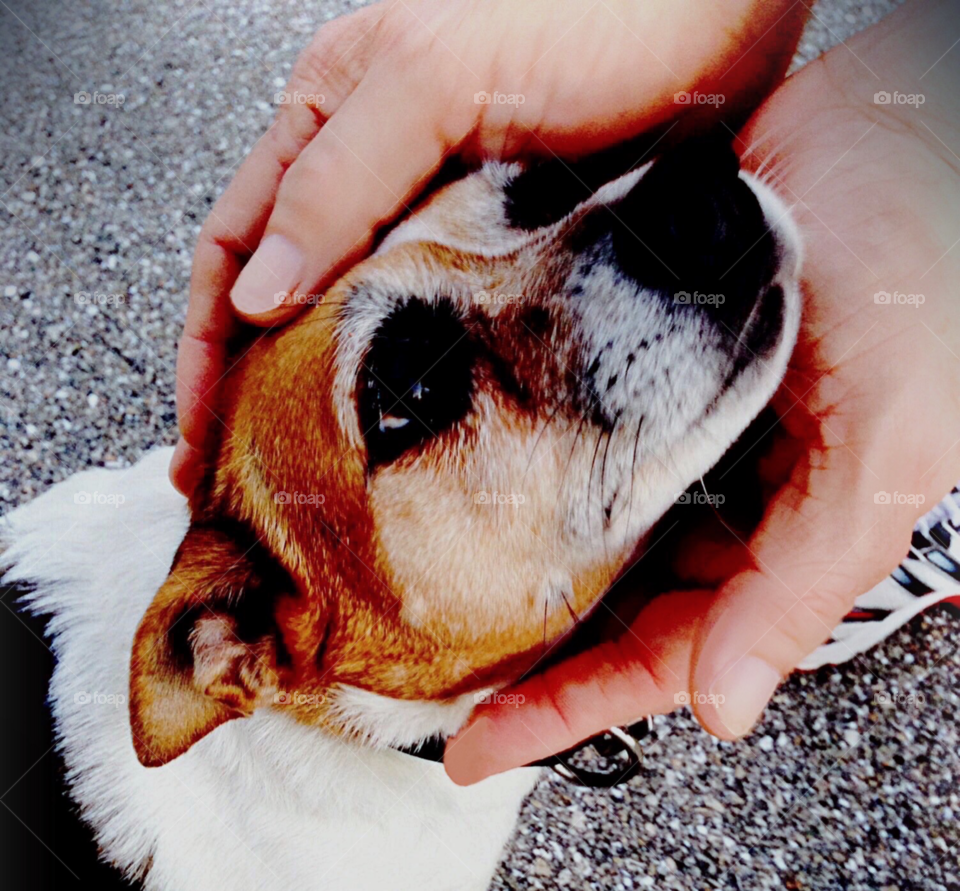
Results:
x,y
215,238
555,695
829,599
211,231
398,38
295,128
312,64
337,57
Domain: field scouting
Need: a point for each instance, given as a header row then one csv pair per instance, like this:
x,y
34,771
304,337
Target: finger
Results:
x,y
186,467
383,145
362,169
822,543
614,683
236,223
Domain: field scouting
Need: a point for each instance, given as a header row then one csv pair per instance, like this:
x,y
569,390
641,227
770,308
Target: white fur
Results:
x,y
262,802
385,722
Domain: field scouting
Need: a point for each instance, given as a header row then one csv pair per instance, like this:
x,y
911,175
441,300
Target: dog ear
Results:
x,y
207,648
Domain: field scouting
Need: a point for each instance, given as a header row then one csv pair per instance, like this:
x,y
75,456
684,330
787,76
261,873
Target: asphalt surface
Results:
x,y
100,207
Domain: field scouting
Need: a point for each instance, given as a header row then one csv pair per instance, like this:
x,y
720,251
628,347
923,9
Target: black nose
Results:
x,y
691,226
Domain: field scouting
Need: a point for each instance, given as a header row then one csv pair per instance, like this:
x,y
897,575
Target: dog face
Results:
x,y
425,478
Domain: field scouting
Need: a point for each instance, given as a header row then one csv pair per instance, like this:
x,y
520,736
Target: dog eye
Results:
x,y
416,380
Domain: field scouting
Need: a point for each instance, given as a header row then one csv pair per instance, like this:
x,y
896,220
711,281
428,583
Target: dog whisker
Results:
x,y
570,609
543,430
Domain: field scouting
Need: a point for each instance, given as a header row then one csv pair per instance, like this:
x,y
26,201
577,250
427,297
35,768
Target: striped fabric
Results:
x,y
930,574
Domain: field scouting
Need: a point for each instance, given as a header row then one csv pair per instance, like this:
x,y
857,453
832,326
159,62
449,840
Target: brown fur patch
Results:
x,y
403,583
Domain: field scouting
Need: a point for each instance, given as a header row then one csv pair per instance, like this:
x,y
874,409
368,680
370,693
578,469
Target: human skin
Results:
x,y
397,82
873,220
871,403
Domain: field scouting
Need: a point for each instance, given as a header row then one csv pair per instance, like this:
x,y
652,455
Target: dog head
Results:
x,y
426,476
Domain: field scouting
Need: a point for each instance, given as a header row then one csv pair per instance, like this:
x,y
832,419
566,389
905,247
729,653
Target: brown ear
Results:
x,y
206,649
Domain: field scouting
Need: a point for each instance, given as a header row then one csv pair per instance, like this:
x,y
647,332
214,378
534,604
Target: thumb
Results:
x,y
639,672
360,171
823,542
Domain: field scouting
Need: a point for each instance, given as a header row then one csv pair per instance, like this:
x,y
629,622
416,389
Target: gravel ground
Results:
x,y
100,208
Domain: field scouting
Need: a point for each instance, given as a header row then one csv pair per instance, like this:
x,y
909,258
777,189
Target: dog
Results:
x,y
420,484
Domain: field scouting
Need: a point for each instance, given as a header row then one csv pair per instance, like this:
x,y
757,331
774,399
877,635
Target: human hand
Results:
x,y
390,91
869,405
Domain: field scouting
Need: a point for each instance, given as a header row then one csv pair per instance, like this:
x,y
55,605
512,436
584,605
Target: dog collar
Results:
x,y
609,745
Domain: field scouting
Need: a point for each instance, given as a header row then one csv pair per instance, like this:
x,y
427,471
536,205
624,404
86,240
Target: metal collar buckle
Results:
x,y
609,744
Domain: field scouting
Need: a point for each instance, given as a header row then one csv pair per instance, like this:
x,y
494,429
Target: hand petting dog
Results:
x,y
395,87
389,93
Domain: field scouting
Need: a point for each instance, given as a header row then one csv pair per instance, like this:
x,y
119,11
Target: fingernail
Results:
x,y
742,692
272,272
464,757
186,468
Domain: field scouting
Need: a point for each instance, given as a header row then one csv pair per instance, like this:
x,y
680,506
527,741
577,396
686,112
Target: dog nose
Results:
x,y
692,227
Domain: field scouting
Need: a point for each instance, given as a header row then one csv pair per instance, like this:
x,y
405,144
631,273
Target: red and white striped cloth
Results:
x,y
929,575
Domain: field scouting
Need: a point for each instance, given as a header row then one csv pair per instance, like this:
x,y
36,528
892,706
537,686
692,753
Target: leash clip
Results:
x,y
610,743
